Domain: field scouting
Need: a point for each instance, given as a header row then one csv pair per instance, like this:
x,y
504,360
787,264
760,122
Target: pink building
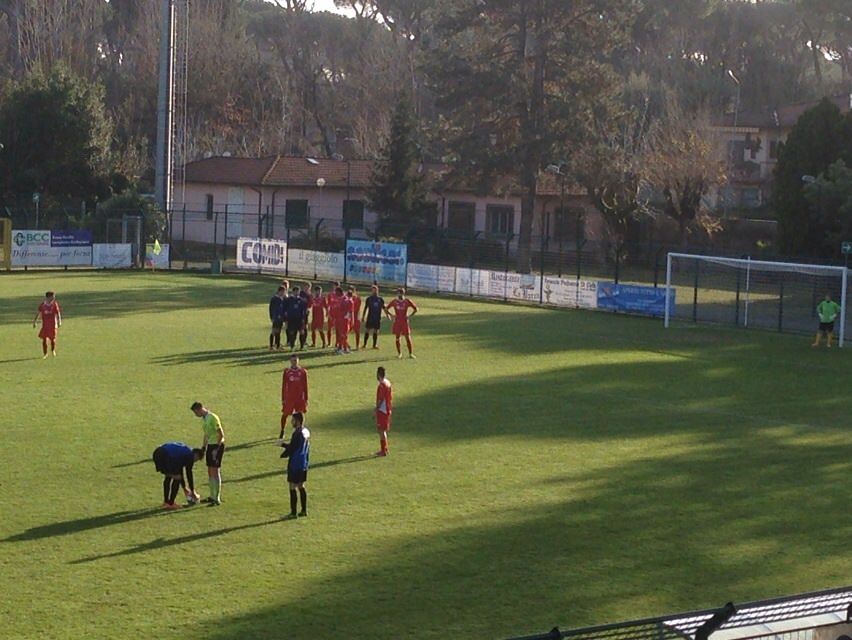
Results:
x,y
228,197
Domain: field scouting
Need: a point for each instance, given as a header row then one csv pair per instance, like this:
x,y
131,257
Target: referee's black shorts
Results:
x,y
297,477
826,327
213,455
373,324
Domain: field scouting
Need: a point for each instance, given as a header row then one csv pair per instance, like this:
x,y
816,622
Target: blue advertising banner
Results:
x,y
382,261
631,298
71,238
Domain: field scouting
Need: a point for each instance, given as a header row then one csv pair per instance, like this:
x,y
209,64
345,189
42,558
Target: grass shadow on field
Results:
x,y
83,524
282,471
258,356
157,294
163,543
637,395
757,514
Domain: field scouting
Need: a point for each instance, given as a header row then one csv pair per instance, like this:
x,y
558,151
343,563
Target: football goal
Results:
x,y
779,296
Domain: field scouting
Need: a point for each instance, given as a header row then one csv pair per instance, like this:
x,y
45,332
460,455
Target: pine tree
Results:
x,y
821,136
397,189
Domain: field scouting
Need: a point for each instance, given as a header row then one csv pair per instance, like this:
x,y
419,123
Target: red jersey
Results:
x,y
344,310
400,309
356,306
49,312
384,398
294,386
318,306
332,302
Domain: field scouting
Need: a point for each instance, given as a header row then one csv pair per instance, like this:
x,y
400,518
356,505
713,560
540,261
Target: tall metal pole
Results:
x,y
163,175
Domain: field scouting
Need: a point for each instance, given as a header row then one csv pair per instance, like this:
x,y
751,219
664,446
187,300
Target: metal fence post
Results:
x,y
506,269
183,237
737,301
695,293
216,233
617,262
781,303
225,236
287,255
316,247
541,269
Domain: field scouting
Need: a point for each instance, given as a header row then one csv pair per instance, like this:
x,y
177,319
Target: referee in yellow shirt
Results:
x,y
213,433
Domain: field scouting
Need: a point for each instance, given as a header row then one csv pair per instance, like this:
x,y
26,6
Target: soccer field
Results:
x,y
547,468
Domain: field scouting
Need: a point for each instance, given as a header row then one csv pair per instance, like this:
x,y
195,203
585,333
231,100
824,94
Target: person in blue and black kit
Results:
x,y
277,314
295,314
173,459
298,452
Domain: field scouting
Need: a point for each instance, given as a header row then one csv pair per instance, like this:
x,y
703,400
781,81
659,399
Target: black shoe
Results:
x,y
289,516
213,503
303,514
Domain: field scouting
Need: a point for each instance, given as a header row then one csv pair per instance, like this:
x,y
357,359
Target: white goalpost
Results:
x,y
780,296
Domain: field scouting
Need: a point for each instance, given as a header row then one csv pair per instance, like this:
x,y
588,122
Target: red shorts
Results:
x,y
294,406
317,323
401,329
357,326
342,327
383,421
47,332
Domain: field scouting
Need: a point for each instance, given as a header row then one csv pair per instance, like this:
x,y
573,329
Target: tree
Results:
x,y
397,191
515,82
821,137
56,138
684,160
829,200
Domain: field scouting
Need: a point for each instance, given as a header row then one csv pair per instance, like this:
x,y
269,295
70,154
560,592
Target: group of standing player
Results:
x,y
337,312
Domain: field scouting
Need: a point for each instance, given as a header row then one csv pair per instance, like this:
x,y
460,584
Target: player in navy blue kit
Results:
x,y
298,452
277,312
295,315
374,307
173,459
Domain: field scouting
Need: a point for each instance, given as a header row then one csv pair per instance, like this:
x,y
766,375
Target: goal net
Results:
x,y
779,296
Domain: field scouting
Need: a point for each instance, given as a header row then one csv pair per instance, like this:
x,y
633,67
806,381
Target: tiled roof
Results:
x,y
781,117
290,171
228,170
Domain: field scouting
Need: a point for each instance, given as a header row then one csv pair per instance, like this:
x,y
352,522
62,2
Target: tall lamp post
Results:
x,y
559,170
347,207
736,81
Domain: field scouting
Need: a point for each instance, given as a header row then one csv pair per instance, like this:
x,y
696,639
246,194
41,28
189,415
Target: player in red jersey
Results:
x,y
400,306
384,408
294,392
318,308
51,319
330,300
343,321
356,315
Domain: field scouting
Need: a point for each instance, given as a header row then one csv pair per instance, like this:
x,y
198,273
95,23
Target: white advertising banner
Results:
x,y
112,256
36,248
472,282
570,292
514,286
431,277
260,254
316,264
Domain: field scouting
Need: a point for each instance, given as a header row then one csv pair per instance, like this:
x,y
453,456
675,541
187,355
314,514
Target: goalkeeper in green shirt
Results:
x,y
827,311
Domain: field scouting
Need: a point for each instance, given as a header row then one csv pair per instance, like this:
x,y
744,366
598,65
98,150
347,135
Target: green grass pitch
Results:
x,y
547,468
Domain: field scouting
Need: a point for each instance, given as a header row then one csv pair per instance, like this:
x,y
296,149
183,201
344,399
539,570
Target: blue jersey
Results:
x,y
277,308
298,450
296,309
374,306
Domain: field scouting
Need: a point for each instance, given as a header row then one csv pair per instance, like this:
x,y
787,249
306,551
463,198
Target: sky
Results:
x,y
326,5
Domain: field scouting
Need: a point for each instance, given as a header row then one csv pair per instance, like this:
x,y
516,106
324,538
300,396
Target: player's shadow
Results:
x,y
18,360
161,543
83,524
282,471
254,356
